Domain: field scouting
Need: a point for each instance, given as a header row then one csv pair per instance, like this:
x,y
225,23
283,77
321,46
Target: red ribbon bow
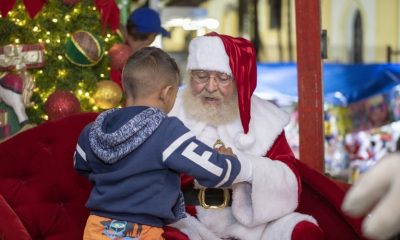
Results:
x,y
108,9
109,13
32,6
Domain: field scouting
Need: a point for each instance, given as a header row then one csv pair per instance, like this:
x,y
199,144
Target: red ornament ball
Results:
x,y
61,104
118,55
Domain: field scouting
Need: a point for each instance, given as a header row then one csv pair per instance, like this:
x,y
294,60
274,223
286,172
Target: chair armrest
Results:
x,y
11,227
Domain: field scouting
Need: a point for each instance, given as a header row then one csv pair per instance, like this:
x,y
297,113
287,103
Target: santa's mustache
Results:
x,y
214,95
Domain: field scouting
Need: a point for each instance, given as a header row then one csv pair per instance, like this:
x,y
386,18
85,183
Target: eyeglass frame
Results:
x,y
204,80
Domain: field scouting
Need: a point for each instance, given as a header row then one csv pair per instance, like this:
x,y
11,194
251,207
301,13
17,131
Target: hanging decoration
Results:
x,y
17,57
61,104
118,55
84,48
108,94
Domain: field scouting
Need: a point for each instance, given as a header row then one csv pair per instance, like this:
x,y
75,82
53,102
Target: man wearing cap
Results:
x,y
142,27
218,105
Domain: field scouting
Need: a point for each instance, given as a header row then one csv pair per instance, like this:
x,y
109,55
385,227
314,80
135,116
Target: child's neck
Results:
x,y
147,102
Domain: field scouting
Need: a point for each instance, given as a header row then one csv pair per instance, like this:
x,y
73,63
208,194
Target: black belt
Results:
x,y
208,197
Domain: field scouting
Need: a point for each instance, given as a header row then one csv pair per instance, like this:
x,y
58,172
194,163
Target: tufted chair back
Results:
x,y
41,195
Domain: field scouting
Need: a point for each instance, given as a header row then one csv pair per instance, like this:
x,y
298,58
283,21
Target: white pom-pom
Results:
x,y
244,141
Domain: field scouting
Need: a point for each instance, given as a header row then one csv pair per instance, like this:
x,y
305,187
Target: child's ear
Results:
x,y
165,92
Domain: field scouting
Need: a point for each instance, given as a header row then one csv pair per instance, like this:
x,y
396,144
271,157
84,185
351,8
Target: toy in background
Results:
x,y
15,92
367,148
16,84
395,103
377,111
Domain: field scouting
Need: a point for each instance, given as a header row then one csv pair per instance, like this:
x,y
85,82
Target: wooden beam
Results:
x,y
310,103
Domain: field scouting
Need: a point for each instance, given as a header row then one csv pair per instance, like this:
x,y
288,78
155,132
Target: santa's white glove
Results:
x,y
377,194
246,171
194,229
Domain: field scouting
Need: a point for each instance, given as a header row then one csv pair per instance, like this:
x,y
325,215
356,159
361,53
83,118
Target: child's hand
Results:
x,y
226,151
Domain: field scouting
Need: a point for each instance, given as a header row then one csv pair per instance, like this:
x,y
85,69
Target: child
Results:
x,y
142,27
134,156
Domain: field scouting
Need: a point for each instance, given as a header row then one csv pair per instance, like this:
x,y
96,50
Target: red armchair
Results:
x,y
42,197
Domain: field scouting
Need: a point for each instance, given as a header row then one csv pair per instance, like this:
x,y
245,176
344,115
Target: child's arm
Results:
x,y
211,169
81,164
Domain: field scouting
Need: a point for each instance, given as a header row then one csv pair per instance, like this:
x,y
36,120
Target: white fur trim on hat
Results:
x,y
208,53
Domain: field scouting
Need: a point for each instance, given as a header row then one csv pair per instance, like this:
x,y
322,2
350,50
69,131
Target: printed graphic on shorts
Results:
x,y
120,230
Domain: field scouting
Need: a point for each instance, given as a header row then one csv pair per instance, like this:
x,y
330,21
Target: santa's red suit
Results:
x,y
264,209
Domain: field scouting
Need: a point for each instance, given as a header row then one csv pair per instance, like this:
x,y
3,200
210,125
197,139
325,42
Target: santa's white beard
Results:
x,y
214,115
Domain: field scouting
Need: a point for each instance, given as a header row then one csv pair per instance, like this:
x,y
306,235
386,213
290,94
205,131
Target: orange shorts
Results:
x,y
101,228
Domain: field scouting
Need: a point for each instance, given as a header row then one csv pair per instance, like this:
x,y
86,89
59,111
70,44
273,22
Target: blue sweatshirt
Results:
x,y
134,157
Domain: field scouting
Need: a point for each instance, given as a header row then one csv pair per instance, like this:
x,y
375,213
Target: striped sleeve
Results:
x,y
184,153
81,164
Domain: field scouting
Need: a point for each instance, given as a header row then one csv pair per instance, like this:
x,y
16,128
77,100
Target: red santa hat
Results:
x,y
234,56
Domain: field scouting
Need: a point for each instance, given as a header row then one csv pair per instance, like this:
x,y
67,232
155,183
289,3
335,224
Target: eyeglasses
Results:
x,y
202,77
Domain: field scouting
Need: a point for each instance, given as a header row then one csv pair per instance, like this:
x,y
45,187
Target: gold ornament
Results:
x,y
108,94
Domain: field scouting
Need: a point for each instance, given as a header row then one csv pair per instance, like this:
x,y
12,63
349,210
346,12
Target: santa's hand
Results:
x,y
376,194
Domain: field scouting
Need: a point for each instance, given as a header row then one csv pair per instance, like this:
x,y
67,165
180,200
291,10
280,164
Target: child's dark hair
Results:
x,y
148,70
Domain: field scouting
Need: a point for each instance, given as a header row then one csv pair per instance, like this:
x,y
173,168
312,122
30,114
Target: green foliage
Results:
x,y
51,26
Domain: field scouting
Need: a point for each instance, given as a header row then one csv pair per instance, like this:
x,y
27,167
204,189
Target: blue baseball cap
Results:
x,y
146,20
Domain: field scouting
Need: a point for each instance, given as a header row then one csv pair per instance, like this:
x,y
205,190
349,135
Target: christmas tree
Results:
x,y
53,26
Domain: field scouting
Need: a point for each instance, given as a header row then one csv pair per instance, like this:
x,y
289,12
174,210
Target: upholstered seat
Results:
x,y
42,197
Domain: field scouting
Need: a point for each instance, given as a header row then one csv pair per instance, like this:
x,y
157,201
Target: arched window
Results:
x,y
357,38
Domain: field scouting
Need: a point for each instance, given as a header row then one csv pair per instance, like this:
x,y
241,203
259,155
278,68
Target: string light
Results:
x,y
58,73
62,73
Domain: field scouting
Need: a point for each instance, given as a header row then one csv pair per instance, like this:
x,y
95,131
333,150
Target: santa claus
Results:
x,y
218,105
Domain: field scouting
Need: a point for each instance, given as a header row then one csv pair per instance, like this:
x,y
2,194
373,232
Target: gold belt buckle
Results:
x,y
202,199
